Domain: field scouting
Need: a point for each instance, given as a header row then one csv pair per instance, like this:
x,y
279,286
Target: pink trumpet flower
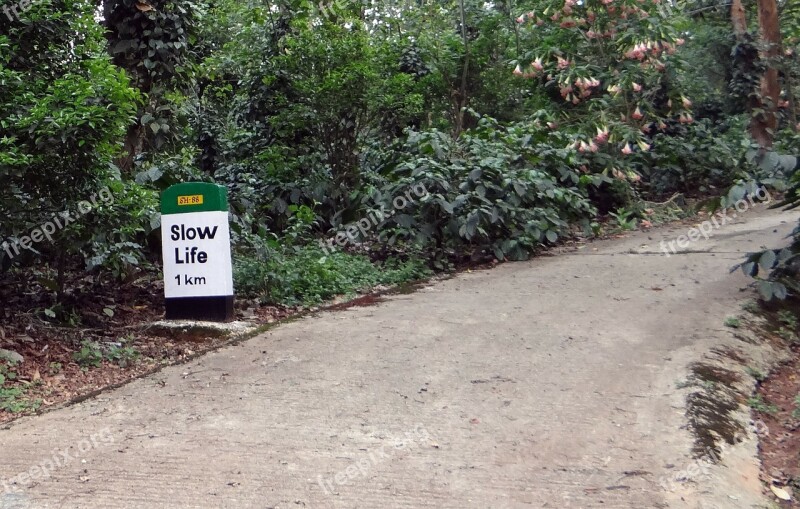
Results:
x,y
602,135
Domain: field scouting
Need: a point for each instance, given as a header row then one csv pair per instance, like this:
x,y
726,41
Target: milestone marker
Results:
x,y
196,248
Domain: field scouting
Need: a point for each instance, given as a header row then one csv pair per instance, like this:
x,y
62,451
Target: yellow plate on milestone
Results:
x,y
195,199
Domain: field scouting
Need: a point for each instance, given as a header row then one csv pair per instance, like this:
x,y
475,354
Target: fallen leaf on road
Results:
x,y
780,493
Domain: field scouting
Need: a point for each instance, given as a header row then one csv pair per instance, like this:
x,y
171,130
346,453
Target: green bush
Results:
x,y
309,275
496,190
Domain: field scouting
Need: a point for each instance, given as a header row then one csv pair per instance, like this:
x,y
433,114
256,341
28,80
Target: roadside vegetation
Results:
x,y
524,123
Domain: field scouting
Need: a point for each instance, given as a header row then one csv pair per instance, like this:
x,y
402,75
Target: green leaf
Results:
x,y
779,291
765,288
767,260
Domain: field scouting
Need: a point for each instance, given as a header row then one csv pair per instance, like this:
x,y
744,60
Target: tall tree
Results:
x,y
765,123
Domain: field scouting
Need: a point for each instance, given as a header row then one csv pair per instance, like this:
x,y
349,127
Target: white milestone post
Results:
x,y
198,276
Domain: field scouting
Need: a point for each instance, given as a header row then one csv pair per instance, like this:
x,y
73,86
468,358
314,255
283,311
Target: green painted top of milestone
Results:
x,y
194,197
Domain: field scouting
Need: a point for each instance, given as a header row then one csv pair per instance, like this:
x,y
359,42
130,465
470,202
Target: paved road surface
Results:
x,y
549,383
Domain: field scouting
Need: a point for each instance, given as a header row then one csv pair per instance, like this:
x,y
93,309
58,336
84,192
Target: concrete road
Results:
x,y
549,383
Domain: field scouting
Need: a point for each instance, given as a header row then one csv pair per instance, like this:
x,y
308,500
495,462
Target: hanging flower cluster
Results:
x,y
593,49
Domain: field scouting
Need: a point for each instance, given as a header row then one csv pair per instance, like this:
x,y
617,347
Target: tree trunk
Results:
x,y
738,18
462,99
766,122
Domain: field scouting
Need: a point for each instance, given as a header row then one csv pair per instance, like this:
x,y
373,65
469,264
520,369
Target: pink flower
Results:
x,y
518,70
552,125
567,10
637,115
686,102
680,42
562,63
590,34
568,23
602,135
637,87
593,147
520,20
554,17
627,149
537,64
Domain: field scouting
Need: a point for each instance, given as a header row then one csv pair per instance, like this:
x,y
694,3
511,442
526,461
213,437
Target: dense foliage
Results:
x,y
518,123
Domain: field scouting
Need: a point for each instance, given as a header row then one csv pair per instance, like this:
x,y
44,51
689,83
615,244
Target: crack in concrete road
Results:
x,y
533,382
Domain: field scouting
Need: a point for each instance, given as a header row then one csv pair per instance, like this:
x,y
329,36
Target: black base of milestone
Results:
x,y
209,309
